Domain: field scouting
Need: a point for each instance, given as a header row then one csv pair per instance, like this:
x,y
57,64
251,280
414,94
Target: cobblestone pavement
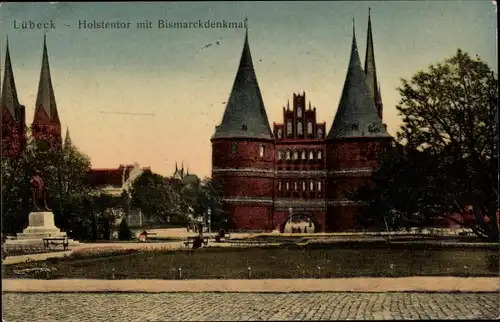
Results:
x,y
97,307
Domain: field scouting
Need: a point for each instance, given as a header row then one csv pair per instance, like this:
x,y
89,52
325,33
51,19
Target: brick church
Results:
x,y
297,167
46,127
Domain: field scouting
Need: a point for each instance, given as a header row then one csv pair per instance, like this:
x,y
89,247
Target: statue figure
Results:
x,y
38,192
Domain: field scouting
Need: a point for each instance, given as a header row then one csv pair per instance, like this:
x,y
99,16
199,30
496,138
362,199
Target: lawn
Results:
x,y
340,260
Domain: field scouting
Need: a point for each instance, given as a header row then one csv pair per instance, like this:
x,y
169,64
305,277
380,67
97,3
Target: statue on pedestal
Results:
x,y
38,192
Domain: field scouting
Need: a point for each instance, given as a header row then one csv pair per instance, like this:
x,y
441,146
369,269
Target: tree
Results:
x,y
124,232
449,160
187,189
153,194
210,196
16,194
397,195
77,207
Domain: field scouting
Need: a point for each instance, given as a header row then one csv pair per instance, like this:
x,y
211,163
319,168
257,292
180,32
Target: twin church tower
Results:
x,y
297,168
46,126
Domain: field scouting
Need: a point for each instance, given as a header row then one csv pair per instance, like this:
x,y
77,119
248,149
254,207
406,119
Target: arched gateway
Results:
x,y
300,222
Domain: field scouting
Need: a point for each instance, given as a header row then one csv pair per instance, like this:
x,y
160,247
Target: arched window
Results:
x,y
289,128
288,155
319,185
303,155
295,186
303,186
287,185
299,128
262,149
309,127
320,155
299,112
311,186
311,155
279,185
280,155
320,133
280,133
295,155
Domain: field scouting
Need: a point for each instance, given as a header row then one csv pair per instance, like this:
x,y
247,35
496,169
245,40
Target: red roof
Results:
x,y
111,177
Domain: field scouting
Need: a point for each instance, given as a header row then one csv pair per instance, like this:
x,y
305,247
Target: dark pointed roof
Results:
x,y
356,114
45,98
370,69
9,99
67,139
245,114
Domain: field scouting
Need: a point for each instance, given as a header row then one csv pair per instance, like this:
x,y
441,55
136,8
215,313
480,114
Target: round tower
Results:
x,y
243,152
355,140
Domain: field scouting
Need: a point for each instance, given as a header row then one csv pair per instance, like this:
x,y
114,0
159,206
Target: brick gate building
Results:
x,y
297,167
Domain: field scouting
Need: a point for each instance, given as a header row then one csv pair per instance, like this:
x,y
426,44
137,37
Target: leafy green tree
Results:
x,y
124,232
16,194
186,189
210,197
397,195
157,199
450,156
80,210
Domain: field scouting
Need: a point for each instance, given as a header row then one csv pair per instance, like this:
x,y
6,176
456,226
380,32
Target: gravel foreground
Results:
x,y
143,307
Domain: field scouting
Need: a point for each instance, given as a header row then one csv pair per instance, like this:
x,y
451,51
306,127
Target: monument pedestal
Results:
x,y
41,225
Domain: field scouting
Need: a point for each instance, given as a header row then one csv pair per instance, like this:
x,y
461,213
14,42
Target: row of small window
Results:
x,y
287,186
262,149
303,155
289,130
288,154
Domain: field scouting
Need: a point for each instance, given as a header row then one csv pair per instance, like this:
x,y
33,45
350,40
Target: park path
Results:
x,y
401,284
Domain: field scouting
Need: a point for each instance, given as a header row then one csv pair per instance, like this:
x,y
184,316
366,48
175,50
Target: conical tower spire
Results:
x,y
45,100
9,99
67,139
370,69
356,114
245,114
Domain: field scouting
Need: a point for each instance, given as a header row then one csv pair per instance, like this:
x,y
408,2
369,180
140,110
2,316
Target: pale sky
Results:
x,y
296,46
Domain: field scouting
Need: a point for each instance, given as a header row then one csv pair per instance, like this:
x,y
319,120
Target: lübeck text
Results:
x,y
30,24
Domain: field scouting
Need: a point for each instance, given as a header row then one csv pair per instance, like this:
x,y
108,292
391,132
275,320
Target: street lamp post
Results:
x,y
209,213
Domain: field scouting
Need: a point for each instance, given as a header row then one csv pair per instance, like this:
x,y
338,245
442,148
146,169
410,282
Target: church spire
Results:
x,y
67,139
45,100
9,99
356,114
245,114
370,69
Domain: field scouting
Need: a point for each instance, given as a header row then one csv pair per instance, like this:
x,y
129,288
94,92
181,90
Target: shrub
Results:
x,y
124,232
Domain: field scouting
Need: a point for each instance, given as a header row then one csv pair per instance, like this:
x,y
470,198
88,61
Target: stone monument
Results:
x,y
41,219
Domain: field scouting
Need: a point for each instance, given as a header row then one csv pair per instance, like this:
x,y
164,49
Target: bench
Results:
x,y
190,240
226,237
144,236
55,241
